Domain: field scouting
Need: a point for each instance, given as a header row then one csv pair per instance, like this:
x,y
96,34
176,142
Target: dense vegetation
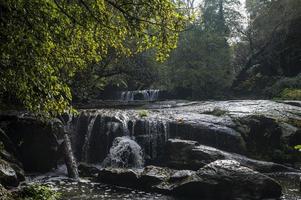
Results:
x,y
225,52
54,52
45,43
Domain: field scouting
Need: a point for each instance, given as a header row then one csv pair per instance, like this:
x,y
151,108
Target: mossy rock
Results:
x,y
5,194
36,192
290,94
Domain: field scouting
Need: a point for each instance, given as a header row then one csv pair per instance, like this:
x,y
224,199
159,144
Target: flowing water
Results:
x,y
85,189
146,95
124,153
126,138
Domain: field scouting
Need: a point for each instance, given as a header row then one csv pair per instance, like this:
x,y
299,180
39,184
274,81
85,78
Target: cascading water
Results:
x,y
124,119
146,95
125,153
87,139
95,130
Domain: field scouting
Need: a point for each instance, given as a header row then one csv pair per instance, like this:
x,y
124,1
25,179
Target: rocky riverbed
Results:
x,y
212,149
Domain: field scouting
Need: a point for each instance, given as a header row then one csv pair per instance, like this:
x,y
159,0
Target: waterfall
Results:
x,y
86,145
146,95
94,133
124,119
125,153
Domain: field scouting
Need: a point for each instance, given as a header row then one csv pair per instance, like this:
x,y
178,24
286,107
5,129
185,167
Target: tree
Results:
x,y
44,43
201,65
273,62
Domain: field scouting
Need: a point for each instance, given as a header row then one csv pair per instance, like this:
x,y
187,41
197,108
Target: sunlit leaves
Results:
x,y
43,43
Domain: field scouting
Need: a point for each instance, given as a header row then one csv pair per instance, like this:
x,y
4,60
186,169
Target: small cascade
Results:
x,y
146,95
151,135
95,132
124,153
124,119
86,145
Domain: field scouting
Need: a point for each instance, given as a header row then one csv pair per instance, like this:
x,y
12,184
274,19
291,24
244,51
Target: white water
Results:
x,y
148,95
125,153
87,138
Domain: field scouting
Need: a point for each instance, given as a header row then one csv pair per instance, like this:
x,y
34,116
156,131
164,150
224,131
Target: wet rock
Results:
x,y
8,176
222,179
153,175
180,175
259,129
9,154
235,181
35,141
87,170
119,176
186,154
207,133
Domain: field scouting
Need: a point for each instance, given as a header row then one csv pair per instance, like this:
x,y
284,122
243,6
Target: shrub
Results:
x,y
290,94
298,147
293,83
39,192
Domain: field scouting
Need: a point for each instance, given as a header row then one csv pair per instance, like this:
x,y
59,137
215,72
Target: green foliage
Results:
x,y
143,113
286,88
298,147
44,43
5,194
39,192
136,71
272,45
201,65
290,94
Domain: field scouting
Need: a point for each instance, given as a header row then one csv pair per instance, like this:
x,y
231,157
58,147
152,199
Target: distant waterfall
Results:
x,y
146,95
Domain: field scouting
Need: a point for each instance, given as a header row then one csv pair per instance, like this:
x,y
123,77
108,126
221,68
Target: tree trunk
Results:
x,y
69,158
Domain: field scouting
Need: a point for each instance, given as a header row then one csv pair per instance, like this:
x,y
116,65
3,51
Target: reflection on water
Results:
x,y
86,189
290,185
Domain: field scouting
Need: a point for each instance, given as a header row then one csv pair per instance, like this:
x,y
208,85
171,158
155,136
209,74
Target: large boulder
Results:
x,y
222,179
11,168
187,154
33,141
229,180
119,176
8,176
86,170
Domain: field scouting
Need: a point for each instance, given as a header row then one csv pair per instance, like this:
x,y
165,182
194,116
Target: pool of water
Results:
x,y
85,189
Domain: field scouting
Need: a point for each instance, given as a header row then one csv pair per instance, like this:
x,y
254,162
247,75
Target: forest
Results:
x,y
150,99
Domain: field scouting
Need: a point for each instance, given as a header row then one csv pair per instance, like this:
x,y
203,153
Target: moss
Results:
x,y
37,192
290,94
143,113
298,147
5,194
